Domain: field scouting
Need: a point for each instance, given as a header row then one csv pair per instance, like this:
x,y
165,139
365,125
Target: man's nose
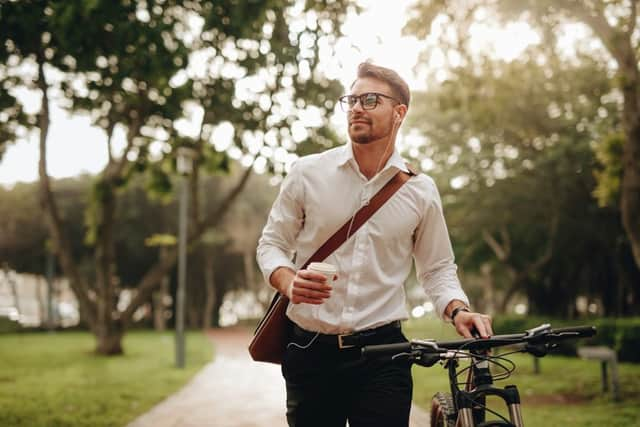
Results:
x,y
357,106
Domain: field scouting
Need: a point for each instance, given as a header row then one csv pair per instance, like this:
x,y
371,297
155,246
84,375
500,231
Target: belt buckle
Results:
x,y
341,345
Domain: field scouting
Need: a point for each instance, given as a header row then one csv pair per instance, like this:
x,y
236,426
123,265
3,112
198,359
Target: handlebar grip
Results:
x,y
576,331
385,349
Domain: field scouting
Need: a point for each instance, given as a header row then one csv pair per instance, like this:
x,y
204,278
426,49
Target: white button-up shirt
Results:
x,y
321,192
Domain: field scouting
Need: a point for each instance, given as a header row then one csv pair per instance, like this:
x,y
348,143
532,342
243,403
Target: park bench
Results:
x,y
608,361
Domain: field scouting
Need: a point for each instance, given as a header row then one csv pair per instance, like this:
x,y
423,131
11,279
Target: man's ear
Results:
x,y
398,116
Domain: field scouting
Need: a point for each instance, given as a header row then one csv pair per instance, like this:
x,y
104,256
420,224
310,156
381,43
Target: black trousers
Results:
x,y
327,386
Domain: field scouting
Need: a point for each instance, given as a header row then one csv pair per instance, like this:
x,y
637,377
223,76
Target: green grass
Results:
x,y
566,392
55,379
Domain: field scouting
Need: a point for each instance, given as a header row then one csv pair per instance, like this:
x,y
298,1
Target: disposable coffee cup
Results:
x,y
328,270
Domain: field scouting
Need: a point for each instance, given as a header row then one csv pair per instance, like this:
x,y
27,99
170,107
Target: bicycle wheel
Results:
x,y
443,412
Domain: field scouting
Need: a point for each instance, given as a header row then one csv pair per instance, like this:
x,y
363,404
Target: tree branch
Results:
x,y
548,253
215,217
110,129
115,169
632,18
498,249
152,278
506,239
596,20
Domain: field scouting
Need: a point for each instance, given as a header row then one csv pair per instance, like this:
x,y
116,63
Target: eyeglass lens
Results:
x,y
368,101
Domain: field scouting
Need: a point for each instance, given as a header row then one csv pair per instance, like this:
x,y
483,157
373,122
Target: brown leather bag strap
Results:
x,y
362,216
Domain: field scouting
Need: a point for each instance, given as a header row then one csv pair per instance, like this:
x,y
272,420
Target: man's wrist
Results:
x,y
281,278
457,310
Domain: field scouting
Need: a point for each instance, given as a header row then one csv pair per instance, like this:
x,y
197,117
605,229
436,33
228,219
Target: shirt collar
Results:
x,y
346,155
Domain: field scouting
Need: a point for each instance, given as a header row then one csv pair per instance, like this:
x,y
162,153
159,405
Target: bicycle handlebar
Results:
x,y
577,331
386,349
541,335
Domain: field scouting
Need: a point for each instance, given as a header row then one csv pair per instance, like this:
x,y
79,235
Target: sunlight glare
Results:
x,y
506,43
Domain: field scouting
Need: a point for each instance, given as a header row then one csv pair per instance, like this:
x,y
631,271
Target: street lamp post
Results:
x,y
184,167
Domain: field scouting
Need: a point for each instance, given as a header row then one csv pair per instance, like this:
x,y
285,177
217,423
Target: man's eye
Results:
x,y
370,99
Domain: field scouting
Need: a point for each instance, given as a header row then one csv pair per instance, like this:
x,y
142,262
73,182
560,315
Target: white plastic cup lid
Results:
x,y
323,268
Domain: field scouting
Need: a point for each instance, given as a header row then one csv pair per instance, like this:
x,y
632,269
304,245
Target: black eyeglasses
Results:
x,y
368,100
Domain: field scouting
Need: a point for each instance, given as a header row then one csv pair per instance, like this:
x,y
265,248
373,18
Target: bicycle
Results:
x,y
467,407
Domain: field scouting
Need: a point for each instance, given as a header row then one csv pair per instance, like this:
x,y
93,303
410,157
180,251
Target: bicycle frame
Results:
x,y
470,402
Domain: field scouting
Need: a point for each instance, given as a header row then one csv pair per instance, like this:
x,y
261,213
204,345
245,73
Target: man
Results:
x,y
327,382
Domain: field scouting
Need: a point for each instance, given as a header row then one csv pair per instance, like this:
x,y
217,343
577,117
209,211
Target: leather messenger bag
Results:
x,y
270,337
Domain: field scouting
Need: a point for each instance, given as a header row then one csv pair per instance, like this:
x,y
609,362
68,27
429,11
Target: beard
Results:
x,y
361,138
368,135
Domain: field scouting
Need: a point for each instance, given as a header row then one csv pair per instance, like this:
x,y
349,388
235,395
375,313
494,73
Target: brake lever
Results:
x,y
427,360
420,357
545,327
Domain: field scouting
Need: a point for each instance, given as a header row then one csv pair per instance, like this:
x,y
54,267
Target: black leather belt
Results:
x,y
354,339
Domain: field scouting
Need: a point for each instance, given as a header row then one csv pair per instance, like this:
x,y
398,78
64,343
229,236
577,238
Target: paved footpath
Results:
x,y
231,391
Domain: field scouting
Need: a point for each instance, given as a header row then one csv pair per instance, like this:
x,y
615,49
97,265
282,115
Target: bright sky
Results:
x,y
75,146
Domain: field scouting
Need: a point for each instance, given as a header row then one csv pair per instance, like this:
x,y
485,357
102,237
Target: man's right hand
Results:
x,y
303,286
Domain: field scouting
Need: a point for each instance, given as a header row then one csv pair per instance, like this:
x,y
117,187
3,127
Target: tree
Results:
x,y
510,143
146,229
613,23
130,69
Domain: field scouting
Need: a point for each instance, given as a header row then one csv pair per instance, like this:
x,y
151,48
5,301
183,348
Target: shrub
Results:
x,y
7,325
627,342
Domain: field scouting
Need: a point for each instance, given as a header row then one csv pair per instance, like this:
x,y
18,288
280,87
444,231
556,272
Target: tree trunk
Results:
x,y
193,317
109,332
249,271
210,286
109,337
60,242
159,307
52,310
160,298
158,311
219,292
110,343
514,287
14,289
41,285
488,297
630,185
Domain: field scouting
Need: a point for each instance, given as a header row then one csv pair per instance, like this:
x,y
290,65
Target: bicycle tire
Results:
x,y
443,412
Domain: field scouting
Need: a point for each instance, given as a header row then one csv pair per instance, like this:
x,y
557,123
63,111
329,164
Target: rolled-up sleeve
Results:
x,y
435,267
276,245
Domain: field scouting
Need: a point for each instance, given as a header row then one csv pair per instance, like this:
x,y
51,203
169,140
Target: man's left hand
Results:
x,y
465,321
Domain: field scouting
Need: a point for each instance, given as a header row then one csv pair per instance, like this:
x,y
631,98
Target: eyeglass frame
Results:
x,y
359,98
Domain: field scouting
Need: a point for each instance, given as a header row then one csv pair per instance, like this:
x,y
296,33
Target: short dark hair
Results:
x,y
399,87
